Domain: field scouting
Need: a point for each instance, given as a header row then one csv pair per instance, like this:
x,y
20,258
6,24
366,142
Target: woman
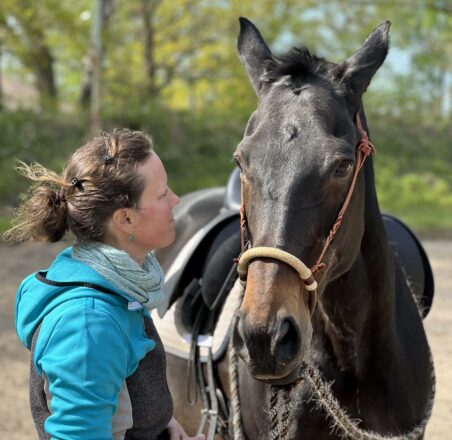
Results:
x,y
98,365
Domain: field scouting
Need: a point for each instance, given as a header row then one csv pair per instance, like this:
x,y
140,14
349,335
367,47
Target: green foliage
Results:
x,y
5,224
413,163
196,149
33,137
36,34
175,73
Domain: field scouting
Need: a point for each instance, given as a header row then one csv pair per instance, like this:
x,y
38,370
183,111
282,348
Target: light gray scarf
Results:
x,y
144,284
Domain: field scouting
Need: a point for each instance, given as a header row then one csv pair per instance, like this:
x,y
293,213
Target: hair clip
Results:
x,y
106,156
76,183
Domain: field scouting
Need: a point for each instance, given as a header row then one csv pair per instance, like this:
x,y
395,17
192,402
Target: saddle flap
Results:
x,y
413,261
179,345
197,310
198,218
223,252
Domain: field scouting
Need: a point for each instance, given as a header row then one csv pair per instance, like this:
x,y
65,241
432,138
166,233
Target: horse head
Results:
x,y
297,160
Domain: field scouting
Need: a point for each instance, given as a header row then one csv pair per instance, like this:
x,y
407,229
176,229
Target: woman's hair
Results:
x,y
100,177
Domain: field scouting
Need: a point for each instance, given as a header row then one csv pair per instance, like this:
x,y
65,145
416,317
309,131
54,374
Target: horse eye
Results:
x,y
343,168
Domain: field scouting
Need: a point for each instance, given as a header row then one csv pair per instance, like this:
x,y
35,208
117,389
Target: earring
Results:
x,y
132,237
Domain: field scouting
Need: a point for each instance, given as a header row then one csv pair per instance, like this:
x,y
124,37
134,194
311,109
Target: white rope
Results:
x,y
280,409
348,427
277,254
237,431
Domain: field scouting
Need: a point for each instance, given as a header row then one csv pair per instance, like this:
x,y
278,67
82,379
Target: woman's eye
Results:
x,y
236,160
343,168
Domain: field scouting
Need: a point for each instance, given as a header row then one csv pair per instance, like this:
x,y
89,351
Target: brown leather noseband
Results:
x,y
363,149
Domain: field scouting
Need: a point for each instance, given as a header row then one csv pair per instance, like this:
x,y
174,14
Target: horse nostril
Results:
x,y
287,341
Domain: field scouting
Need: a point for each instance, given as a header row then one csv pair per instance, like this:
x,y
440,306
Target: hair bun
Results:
x,y
60,196
55,222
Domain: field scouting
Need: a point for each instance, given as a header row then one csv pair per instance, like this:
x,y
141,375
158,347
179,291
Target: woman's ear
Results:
x,y
124,220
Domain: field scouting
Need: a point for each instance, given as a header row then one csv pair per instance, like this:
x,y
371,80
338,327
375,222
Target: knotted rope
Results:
x,y
276,254
345,425
280,411
280,408
236,428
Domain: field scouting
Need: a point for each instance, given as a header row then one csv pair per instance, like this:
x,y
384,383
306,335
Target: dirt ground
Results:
x,y
17,262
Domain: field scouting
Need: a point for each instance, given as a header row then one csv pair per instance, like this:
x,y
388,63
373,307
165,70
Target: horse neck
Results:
x,y
364,297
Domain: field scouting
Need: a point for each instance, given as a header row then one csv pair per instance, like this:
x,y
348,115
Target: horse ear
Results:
x,y
254,55
358,70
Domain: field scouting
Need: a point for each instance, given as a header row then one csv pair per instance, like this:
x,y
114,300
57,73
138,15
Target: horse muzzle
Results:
x,y
272,353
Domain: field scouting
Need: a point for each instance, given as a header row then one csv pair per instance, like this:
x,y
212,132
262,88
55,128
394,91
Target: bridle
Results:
x,y
281,403
364,148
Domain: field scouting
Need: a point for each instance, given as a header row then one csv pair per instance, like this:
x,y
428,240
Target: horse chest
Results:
x,y
309,419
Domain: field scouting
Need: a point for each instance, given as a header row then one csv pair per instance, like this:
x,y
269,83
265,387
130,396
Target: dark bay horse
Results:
x,y
365,335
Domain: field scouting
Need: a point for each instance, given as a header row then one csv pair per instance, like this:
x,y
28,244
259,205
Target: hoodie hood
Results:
x,y
36,299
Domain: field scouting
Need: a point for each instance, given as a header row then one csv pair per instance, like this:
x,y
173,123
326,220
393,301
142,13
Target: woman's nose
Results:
x,y
176,198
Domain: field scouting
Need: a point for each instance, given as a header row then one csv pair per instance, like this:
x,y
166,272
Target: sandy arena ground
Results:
x,y
17,262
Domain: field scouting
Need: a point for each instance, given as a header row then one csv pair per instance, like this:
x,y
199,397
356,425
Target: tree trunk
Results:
x,y
148,10
107,9
39,59
45,78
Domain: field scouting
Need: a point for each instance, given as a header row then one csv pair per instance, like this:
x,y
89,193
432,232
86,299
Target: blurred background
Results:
x,y
170,68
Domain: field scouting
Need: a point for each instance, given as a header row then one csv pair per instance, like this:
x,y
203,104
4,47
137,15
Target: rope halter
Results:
x,y
364,149
276,254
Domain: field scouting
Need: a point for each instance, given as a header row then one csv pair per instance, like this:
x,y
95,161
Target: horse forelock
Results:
x,y
297,66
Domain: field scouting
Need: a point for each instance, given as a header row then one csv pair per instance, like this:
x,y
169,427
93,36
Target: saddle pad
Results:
x,y
179,345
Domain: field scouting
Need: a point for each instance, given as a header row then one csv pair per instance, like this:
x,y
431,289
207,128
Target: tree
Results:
x,y
48,39
25,32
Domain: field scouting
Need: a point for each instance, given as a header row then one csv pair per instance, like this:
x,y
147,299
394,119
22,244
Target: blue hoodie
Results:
x,y
89,342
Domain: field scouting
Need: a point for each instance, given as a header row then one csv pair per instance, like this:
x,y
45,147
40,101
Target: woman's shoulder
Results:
x,y
92,324
88,309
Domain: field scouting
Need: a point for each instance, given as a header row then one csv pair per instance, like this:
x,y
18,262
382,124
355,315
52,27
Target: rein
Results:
x,y
364,149
281,409
280,406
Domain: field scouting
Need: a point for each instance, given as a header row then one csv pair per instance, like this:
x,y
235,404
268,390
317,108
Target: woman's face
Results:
x,y
155,226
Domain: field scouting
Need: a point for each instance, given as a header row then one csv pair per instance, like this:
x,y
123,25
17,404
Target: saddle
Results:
x,y
200,265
